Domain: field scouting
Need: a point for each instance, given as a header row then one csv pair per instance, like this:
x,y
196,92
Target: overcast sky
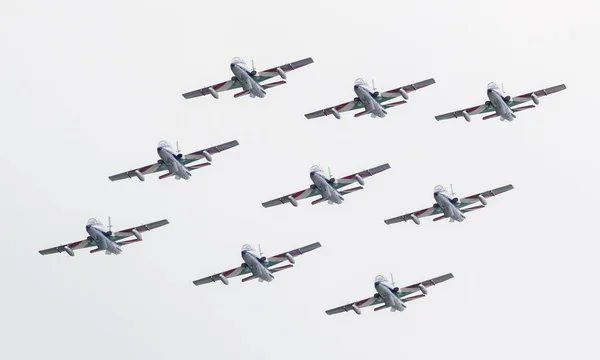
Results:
x,y
88,89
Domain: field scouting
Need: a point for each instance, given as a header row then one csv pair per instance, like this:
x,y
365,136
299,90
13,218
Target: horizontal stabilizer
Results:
x,y
523,108
245,92
413,298
380,308
271,85
164,176
194,167
318,201
362,113
472,208
274,270
440,218
390,105
251,277
490,116
348,191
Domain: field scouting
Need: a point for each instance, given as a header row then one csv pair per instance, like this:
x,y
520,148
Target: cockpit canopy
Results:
x,y
316,168
247,247
163,144
237,60
360,81
92,221
380,278
439,189
493,85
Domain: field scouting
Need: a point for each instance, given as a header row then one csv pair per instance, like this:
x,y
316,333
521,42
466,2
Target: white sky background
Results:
x,y
88,91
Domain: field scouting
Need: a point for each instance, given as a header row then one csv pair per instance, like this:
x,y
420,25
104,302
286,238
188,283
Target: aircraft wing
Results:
x,y
427,283
82,244
227,274
144,170
224,86
269,73
302,194
273,260
540,93
479,109
394,93
486,194
347,180
347,106
419,214
374,300
140,229
200,154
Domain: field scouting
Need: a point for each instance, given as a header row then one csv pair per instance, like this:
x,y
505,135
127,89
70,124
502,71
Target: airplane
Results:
x,y
449,206
502,104
371,100
249,80
258,265
105,239
174,162
327,188
391,297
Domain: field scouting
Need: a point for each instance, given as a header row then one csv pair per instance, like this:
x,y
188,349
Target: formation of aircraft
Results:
x,y
502,104
175,162
104,239
249,80
449,206
390,296
371,100
327,188
258,266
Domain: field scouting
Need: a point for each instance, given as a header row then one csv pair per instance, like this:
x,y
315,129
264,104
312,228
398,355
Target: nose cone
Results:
x,y
232,65
490,90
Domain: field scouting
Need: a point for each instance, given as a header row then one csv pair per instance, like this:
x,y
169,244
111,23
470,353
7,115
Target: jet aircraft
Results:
x,y
371,100
175,162
327,188
104,239
249,80
392,297
502,104
259,266
450,206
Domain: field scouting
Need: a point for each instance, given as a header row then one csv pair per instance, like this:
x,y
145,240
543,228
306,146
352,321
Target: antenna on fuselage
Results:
x,y
392,278
177,147
451,191
373,82
259,251
253,69
109,224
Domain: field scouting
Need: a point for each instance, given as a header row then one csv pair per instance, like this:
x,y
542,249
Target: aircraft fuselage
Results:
x,y
389,298
448,207
172,162
369,102
243,75
327,191
256,267
502,109
101,240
